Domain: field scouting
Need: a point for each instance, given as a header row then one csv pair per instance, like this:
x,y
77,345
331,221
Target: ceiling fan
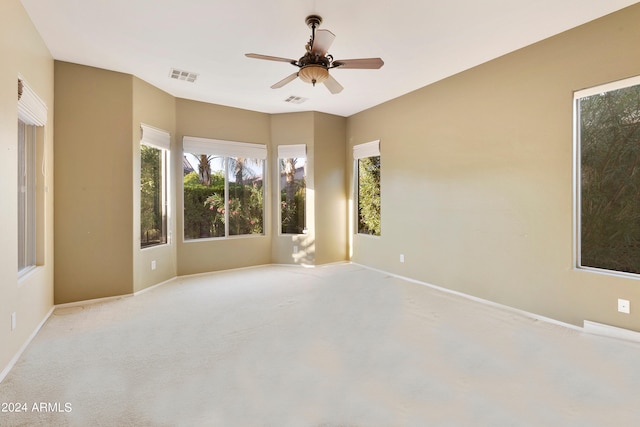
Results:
x,y
314,66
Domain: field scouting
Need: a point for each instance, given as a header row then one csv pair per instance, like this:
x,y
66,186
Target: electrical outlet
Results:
x,y
624,306
295,249
153,264
13,320
401,257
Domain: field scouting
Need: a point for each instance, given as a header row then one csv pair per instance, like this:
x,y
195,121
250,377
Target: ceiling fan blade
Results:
x,y
333,85
322,42
270,58
284,81
363,63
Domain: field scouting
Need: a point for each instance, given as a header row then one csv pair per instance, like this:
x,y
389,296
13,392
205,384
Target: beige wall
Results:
x,y
290,129
231,124
94,175
31,297
324,136
477,177
330,189
156,108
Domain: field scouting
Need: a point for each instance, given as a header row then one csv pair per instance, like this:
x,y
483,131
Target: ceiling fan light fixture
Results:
x,y
313,74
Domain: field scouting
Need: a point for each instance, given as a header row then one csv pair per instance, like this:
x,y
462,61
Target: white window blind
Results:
x,y
296,151
31,109
217,147
156,138
368,149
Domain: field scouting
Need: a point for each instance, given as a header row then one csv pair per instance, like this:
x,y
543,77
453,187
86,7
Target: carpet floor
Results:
x,y
339,345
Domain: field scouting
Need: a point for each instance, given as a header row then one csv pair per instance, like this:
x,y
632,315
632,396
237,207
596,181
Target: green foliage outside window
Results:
x,y
207,207
610,180
292,196
369,195
152,212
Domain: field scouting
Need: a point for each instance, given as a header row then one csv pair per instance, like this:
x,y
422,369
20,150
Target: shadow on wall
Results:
x,y
303,250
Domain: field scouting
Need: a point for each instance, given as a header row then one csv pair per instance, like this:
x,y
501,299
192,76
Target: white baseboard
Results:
x,y
610,331
16,357
480,300
91,301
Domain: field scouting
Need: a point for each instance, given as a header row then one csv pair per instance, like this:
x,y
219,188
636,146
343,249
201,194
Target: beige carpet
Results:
x,y
339,345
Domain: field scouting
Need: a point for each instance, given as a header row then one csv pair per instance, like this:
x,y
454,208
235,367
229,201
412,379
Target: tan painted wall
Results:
x,y
231,124
477,177
156,108
330,188
31,298
288,129
94,175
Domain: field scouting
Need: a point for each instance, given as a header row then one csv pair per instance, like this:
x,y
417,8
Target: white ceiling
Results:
x,y
420,41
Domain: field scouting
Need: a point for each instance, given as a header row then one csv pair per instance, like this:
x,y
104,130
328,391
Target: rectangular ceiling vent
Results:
x,y
183,75
295,99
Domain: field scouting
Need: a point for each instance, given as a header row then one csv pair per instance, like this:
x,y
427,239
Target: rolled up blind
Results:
x,y
295,151
154,137
217,147
31,109
368,149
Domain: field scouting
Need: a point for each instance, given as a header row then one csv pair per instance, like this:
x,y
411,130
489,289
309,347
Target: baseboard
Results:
x,y
478,299
610,331
24,346
92,301
142,291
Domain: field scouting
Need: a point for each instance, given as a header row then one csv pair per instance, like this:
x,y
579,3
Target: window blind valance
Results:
x,y
368,149
156,138
217,147
296,151
31,109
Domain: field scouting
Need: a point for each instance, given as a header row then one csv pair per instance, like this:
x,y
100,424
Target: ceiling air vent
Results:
x,y
295,99
183,75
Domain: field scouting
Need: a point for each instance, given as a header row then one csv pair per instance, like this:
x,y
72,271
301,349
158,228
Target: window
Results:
x,y
26,196
154,153
367,171
608,176
32,113
292,161
223,188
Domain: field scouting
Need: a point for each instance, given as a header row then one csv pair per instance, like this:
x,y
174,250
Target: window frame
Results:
x,y
226,150
160,140
294,151
577,175
363,151
32,112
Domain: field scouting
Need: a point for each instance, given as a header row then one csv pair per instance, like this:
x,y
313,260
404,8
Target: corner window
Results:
x,y
292,163
32,114
154,159
608,176
223,188
367,174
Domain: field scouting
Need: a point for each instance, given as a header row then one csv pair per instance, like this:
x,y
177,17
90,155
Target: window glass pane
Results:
x,y
609,138
26,196
245,202
153,218
292,195
369,195
204,196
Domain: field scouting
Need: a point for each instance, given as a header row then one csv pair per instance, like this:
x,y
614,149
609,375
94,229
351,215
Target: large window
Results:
x,y
292,161
223,188
32,114
367,168
608,176
154,153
